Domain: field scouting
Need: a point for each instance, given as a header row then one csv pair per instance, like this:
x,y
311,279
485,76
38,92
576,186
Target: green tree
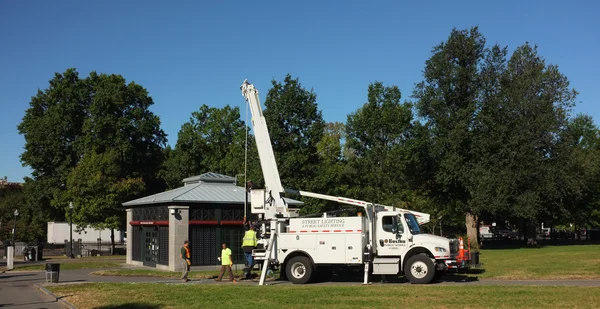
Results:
x,y
213,140
119,118
296,127
447,99
97,189
79,119
378,135
579,173
494,125
520,169
51,127
330,150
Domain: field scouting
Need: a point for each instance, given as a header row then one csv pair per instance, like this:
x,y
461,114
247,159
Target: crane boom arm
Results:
x,y
265,152
422,218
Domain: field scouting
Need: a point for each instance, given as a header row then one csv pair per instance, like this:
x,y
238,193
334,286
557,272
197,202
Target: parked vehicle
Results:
x,y
485,232
507,234
380,240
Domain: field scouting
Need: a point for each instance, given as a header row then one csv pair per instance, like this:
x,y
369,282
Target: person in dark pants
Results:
x,y
25,254
248,244
185,258
226,263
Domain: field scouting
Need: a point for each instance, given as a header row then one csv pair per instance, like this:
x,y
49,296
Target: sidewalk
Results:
x,y
17,290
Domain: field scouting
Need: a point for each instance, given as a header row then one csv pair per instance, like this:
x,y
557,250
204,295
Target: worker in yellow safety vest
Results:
x,y
248,244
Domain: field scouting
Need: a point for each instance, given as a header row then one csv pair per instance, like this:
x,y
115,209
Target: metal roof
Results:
x,y
205,188
209,177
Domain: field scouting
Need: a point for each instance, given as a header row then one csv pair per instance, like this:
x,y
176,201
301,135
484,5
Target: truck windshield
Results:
x,y
412,223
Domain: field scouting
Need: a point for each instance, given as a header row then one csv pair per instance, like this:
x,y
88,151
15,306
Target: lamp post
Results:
x,y
71,230
16,213
10,250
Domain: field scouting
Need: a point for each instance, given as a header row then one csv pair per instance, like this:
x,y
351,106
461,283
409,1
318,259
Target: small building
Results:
x,y
60,233
207,210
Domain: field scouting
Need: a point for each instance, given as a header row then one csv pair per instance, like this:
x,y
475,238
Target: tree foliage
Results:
x,y
213,140
296,127
97,189
99,126
378,138
487,135
494,125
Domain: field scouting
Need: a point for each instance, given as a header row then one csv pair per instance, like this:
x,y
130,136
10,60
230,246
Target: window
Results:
x,y
400,226
389,224
392,224
413,224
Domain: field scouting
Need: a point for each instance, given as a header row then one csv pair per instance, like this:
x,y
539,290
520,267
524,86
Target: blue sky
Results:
x,y
189,53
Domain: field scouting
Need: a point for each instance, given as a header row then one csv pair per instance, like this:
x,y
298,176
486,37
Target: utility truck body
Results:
x,y
380,240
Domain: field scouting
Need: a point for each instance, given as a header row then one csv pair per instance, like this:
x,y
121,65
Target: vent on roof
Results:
x,y
208,178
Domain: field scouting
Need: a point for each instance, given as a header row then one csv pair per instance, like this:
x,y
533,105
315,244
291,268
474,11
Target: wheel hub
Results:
x,y
298,270
419,270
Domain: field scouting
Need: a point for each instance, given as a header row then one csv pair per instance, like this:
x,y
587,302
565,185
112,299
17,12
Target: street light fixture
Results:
x,y
71,230
16,213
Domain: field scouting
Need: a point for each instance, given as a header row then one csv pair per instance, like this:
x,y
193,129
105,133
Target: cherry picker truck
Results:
x,y
385,241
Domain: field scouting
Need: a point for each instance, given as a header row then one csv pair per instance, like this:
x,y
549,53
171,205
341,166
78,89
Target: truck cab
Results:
x,y
402,247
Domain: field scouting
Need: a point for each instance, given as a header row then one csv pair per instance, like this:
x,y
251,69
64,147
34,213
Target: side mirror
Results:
x,y
394,230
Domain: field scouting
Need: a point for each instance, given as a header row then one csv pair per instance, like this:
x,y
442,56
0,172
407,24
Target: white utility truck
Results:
x,y
383,240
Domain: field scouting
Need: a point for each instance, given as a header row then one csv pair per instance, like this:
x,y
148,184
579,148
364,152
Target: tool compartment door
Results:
x,y
331,248
354,248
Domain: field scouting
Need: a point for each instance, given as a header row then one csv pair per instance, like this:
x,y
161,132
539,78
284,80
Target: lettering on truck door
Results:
x,y
391,235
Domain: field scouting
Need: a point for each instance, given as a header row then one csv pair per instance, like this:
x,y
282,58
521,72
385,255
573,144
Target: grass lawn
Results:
x,y
151,295
558,262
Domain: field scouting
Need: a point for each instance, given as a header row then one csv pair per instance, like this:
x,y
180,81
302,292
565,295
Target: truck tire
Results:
x,y
419,269
299,270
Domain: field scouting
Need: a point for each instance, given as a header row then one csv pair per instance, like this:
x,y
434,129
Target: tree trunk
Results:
x,y
472,224
112,241
531,235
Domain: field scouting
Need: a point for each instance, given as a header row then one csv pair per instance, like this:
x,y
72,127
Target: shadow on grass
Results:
x,y
130,306
357,277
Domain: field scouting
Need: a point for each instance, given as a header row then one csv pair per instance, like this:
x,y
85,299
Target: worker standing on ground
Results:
x,y
249,244
226,263
185,258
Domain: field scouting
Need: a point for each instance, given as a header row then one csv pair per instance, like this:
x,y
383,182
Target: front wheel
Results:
x,y
419,269
299,270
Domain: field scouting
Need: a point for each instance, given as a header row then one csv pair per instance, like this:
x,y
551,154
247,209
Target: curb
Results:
x,y
58,299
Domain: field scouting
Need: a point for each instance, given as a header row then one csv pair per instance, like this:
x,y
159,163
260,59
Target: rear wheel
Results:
x,y
419,269
299,270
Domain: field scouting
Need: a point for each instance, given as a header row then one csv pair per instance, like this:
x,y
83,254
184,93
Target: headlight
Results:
x,y
440,249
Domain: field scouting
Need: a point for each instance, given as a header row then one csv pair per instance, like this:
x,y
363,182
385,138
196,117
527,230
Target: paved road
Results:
x,y
16,288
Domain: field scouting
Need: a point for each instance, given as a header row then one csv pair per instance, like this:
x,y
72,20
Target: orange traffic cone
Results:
x,y
461,249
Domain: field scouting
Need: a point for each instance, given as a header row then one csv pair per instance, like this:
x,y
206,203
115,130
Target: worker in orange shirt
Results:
x,y
185,258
